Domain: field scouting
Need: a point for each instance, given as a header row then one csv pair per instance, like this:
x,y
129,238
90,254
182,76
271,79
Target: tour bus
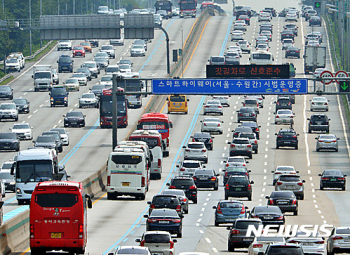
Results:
x,y
58,217
127,173
154,142
261,58
159,122
33,166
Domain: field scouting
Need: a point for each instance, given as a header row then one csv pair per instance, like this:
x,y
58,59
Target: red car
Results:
x,y
78,51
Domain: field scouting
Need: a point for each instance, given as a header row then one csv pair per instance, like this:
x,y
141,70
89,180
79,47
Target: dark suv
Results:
x,y
237,236
187,184
65,63
9,141
204,137
254,126
165,201
59,96
287,138
318,122
206,178
238,186
283,103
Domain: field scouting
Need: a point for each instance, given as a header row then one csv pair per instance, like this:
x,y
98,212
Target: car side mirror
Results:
x,y
177,166
247,161
183,147
149,202
267,197
228,142
138,240
308,118
252,182
303,181
145,216
275,133
168,184
316,138
174,240
228,228
319,174
345,175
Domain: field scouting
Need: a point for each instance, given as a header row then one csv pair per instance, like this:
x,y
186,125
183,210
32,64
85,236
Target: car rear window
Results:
x,y
283,100
180,182
204,172
239,141
318,117
164,200
238,179
282,194
285,250
202,135
343,231
251,101
244,224
217,59
177,98
236,169
247,109
333,173
132,251
230,205
270,209
195,146
250,136
157,238
289,179
287,133
191,164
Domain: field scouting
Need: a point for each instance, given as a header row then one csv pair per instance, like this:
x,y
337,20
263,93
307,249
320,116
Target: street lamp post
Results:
x,y
30,27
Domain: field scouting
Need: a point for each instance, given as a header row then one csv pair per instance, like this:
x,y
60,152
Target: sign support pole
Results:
x,y
114,112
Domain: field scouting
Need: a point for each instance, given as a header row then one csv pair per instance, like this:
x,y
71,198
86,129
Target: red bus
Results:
x,y
106,107
207,4
58,217
188,8
159,122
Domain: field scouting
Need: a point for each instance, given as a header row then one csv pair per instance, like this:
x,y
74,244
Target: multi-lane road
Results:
x,y
120,222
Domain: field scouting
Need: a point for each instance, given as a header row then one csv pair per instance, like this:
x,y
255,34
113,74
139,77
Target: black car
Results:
x,y
287,34
254,126
238,186
292,52
318,122
59,96
246,114
74,119
204,137
86,71
6,92
283,13
269,214
283,103
46,141
242,129
206,178
315,21
94,42
287,138
65,63
97,89
285,200
22,105
235,170
164,220
57,137
271,10
9,141
292,27
237,236
165,201
180,194
332,179
187,184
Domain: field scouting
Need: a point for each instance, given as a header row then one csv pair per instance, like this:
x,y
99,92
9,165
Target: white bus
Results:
x,y
261,58
127,173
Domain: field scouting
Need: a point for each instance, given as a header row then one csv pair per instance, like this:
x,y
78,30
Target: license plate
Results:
x,y
56,235
246,114
284,120
163,222
282,203
203,179
327,142
319,103
287,142
125,183
333,179
289,187
238,189
307,244
58,101
247,239
319,122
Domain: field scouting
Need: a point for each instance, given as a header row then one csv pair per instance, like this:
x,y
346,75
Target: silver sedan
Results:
x,y
284,117
319,104
213,106
212,125
327,142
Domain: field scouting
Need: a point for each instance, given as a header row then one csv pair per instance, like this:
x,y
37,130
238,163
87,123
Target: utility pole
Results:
x,y
30,27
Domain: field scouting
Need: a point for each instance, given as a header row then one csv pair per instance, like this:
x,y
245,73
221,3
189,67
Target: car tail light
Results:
x,y
206,107
294,202
327,122
184,199
227,164
227,187
246,173
151,220
172,187
293,241
334,141
321,141
108,180
178,208
337,237
226,174
204,150
213,178
257,104
182,169
187,150
142,243
193,187
205,124
232,146
311,122
220,106
278,173
81,230
31,231
278,103
341,179
271,201
143,182
194,178
300,183
218,209
277,116
294,136
167,142
193,140
219,125
243,104
171,244
249,187
211,140
325,178
257,245
257,130
240,114
280,136
280,218
249,145
325,103
297,51
159,162
235,231
168,103
320,242
243,210
185,104
253,114
236,134
279,183
153,206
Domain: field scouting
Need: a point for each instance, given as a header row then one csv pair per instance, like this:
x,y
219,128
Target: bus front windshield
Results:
x,y
34,171
107,107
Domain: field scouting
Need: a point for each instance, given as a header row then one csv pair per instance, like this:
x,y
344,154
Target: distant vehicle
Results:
x,y
64,45
74,119
187,8
6,92
217,60
103,10
164,8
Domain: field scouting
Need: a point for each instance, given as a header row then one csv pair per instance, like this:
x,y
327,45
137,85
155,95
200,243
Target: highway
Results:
x,y
120,222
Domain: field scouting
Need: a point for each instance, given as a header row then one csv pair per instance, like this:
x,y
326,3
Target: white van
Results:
x,y
154,141
127,173
261,58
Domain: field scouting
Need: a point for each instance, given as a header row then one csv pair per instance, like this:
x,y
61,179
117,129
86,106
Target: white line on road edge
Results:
x,y
305,134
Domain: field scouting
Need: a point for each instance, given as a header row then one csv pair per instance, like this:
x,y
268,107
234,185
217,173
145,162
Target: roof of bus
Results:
x,y
142,132
60,184
127,150
36,154
155,115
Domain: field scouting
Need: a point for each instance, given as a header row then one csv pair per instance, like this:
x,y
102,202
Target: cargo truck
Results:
x,y
43,77
314,57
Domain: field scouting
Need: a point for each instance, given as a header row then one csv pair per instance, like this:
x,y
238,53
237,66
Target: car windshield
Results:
x,y
89,65
83,70
78,48
79,75
125,61
85,44
106,78
58,91
318,117
125,66
74,114
173,192
7,106
242,224
132,251
88,96
21,126
100,59
98,87
107,47
72,81
195,145
112,69
8,136
101,54
164,213
157,238
5,88
12,60
65,59
45,139
42,75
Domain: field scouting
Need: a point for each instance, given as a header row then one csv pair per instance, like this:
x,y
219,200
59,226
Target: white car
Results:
x,y
264,16
88,100
260,99
291,16
267,33
287,43
125,68
262,46
119,41
235,48
213,106
72,84
310,245
131,250
319,104
81,77
282,170
237,35
232,58
92,65
8,111
260,244
313,43
212,125
224,100
236,161
23,131
188,167
240,25
109,49
284,116
327,142
12,65
64,45
319,71
137,50
196,150
63,134
106,80
158,242
102,54
261,39
244,46
20,57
